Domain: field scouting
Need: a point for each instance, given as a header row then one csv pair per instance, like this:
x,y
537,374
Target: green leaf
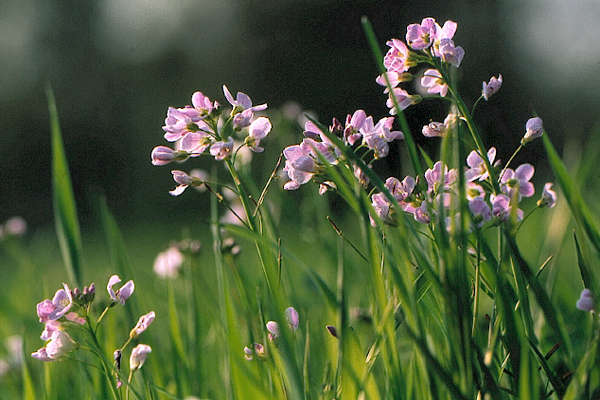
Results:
x,y
65,213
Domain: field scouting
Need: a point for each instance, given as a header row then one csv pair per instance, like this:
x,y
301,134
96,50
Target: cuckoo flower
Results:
x,y
195,143
477,166
259,128
534,130
59,345
548,196
300,166
241,102
420,37
398,58
138,356
450,53
480,211
50,310
492,87
221,150
516,183
167,263
403,99
377,137
354,123
162,155
502,209
439,175
142,324
586,301
433,81
184,180
434,129
123,293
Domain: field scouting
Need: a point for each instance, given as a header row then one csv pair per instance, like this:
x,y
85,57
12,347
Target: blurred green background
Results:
x,y
116,66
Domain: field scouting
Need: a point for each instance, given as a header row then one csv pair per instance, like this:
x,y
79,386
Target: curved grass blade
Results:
x,y
65,212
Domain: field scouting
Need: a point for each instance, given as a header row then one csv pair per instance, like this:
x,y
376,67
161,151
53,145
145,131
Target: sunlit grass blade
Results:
x,y
581,212
65,213
28,385
586,274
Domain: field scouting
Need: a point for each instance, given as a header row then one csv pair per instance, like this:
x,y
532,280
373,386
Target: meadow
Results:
x,y
304,273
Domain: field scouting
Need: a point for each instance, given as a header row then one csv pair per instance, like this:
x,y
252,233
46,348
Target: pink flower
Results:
x,y
516,183
259,128
432,80
353,125
59,345
548,196
162,155
300,166
181,121
50,310
422,213
292,318
49,328
184,180
434,129
420,37
395,79
203,104
383,209
502,209
121,294
221,150
168,263
402,98
241,102
14,226
377,137
450,53
586,301
195,143
142,324
439,175
138,356
492,87
480,211
478,168
534,128
397,59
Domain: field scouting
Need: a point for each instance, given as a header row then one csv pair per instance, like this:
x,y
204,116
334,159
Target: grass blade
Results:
x,y
65,213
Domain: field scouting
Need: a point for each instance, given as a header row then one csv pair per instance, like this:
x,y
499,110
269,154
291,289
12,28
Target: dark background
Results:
x,y
115,66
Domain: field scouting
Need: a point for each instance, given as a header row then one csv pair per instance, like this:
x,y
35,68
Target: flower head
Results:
x,y
162,155
121,294
50,310
241,102
516,183
259,128
548,196
433,81
534,129
397,59
586,301
167,263
138,356
142,324
221,150
480,211
491,87
478,168
184,180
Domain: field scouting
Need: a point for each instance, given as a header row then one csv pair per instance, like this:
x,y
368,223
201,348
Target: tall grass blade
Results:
x,y
581,212
65,213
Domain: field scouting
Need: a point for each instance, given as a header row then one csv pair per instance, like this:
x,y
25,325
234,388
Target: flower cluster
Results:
x,y
485,204
308,159
73,308
199,129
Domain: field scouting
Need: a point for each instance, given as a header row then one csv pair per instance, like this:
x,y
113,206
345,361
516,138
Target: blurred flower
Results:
x,y
53,309
138,356
14,226
502,209
516,183
474,190
256,349
49,328
422,214
548,196
121,294
273,328
478,168
437,175
433,81
168,263
534,129
403,99
292,317
492,87
586,301
480,211
75,318
142,325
